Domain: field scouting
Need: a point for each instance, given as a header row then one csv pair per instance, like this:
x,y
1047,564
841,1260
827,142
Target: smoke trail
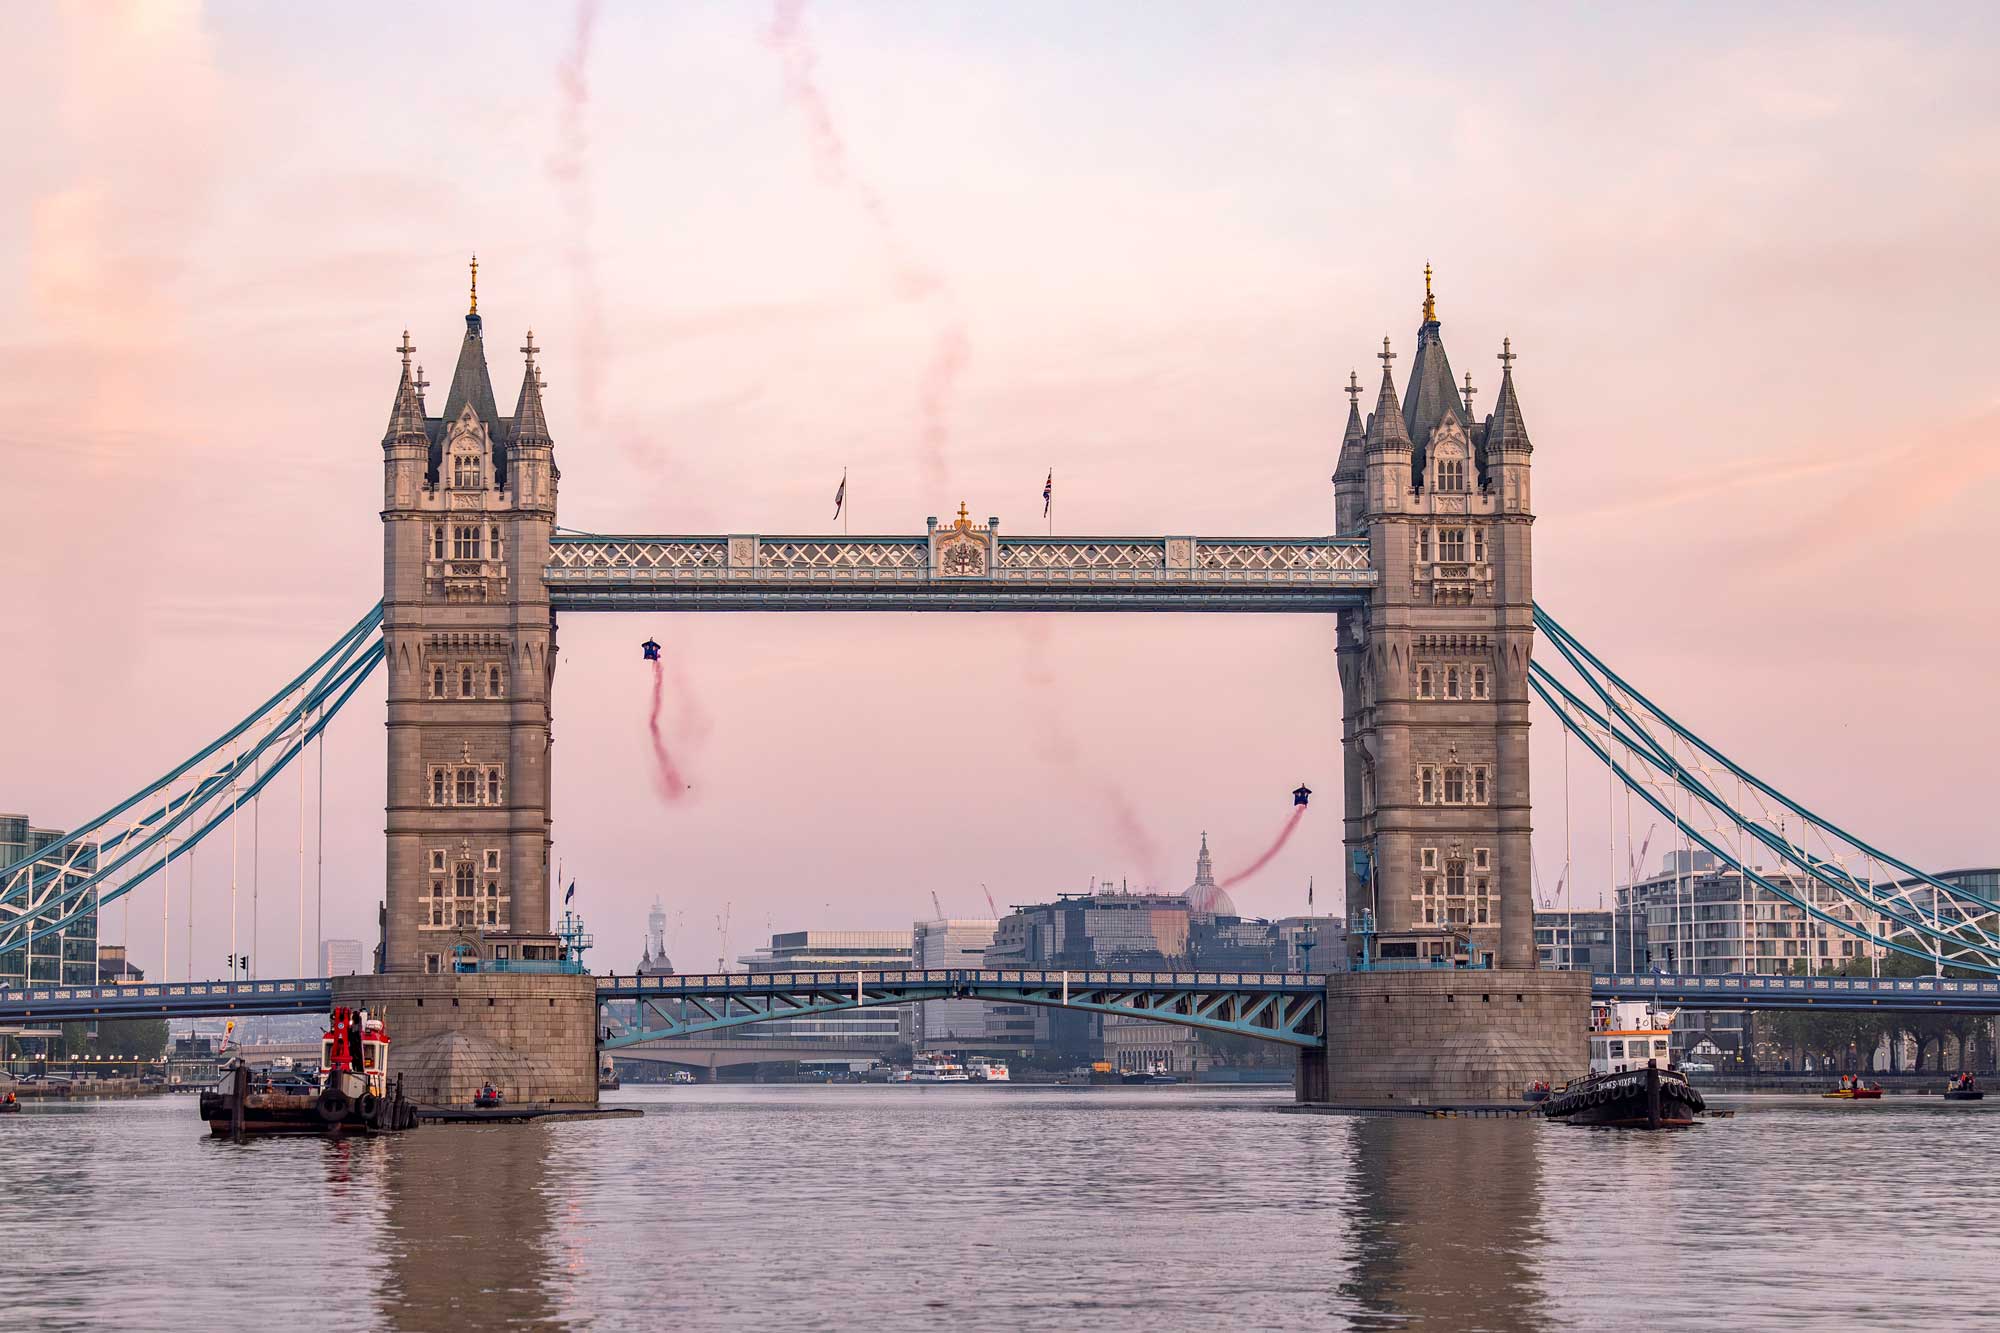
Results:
x,y
569,168
667,776
913,280
1284,836
1058,747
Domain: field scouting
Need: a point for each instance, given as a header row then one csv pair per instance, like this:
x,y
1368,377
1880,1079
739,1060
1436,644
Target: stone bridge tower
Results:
x,y
1434,678
1434,671
469,501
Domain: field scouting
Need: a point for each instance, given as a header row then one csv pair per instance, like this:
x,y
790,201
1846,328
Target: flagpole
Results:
x,y
844,506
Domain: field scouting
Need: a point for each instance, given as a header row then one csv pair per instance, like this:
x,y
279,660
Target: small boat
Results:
x,y
1538,1091
11,1105
1853,1088
607,1075
350,1093
682,1076
1631,1084
938,1069
1153,1073
982,1070
487,1098
1964,1088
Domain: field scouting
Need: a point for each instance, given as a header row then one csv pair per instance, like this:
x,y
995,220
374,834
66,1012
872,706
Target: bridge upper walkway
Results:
x,y
1276,1006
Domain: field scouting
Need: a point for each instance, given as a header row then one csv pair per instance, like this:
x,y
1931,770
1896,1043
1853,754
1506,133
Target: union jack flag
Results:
x,y
840,496
1048,492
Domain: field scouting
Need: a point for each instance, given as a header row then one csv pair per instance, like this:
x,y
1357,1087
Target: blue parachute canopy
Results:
x,y
1301,794
651,650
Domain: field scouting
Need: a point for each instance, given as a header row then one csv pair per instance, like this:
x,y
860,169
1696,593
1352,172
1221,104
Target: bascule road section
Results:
x,y
956,566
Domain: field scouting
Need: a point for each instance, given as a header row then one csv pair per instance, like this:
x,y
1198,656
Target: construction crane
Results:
x,y
722,936
989,900
937,906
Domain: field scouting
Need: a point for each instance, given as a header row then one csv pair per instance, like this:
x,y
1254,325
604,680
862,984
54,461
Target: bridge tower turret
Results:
x,y
469,503
1434,669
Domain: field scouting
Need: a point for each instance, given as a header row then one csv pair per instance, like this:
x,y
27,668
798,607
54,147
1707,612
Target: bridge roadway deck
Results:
x,y
729,993
984,571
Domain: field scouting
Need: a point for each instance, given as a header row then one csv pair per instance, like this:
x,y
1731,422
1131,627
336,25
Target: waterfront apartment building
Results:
x,y
1574,941
69,956
341,958
955,1024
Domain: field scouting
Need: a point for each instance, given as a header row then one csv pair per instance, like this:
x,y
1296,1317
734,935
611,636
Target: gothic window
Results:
x,y
1426,785
465,542
1454,877
1479,546
437,541
493,682
1451,546
1429,858
1454,785
1451,683
439,796
1423,546
433,963
1482,858
493,790
437,858
437,682
1451,475
1479,784
1479,682
465,682
465,472
492,860
468,786
461,880
1425,686
495,535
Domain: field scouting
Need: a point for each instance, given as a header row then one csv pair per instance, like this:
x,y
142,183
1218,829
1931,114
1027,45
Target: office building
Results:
x,y
340,958
67,957
959,944
877,1027
1579,941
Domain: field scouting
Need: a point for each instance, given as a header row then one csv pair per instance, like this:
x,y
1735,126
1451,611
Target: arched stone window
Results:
x,y
465,472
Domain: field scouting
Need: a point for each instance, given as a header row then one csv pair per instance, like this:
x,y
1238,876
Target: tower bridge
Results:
x,y
1427,576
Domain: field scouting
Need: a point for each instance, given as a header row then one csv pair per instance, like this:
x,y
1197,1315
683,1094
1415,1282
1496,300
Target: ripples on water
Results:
x,y
893,1208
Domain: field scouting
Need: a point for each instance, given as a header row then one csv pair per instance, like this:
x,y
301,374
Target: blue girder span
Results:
x,y
1283,1007
171,999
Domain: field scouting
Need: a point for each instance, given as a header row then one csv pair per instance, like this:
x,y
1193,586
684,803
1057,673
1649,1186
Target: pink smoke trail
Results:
x,y
673,787
1284,836
569,168
913,280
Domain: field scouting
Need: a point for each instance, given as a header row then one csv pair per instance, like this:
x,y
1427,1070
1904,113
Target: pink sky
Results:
x,y
1745,260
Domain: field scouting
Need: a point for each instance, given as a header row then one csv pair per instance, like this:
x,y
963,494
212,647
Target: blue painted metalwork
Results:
x,y
1283,1007
1920,916
185,999
1735,991
588,572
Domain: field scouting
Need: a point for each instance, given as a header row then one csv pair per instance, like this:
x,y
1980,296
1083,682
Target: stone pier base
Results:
x,y
534,1037
1447,1038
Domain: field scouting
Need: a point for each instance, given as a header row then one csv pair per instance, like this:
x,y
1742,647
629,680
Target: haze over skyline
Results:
x,y
947,251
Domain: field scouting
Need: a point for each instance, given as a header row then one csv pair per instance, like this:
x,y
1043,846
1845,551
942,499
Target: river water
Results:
x,y
1006,1208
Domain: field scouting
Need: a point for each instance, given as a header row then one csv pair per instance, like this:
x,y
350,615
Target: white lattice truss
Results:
x,y
1833,882
669,561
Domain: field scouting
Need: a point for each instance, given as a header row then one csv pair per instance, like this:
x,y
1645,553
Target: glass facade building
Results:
x,y
1578,941
69,957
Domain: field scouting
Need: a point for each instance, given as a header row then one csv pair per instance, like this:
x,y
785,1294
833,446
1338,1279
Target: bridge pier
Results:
x,y
532,1035
1446,1037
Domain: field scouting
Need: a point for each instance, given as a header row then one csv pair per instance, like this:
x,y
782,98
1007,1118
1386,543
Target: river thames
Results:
x,y
904,1208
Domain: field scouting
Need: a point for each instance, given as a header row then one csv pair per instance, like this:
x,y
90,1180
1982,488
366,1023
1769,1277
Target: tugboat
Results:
x,y
352,1093
1964,1088
1854,1089
1627,1087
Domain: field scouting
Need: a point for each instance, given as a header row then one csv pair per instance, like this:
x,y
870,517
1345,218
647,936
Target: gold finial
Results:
x,y
475,286
1430,302
964,516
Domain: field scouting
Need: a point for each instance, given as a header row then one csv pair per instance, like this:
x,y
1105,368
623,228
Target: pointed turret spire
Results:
x,y
470,384
1386,429
1505,431
530,426
1432,396
1353,451
1204,868
406,417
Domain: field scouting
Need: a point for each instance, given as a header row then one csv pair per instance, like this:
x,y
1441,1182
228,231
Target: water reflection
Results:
x,y
466,1241
1447,1224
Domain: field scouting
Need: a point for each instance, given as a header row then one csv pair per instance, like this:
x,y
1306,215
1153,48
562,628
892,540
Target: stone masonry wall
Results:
x,y
534,1036
1450,1038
